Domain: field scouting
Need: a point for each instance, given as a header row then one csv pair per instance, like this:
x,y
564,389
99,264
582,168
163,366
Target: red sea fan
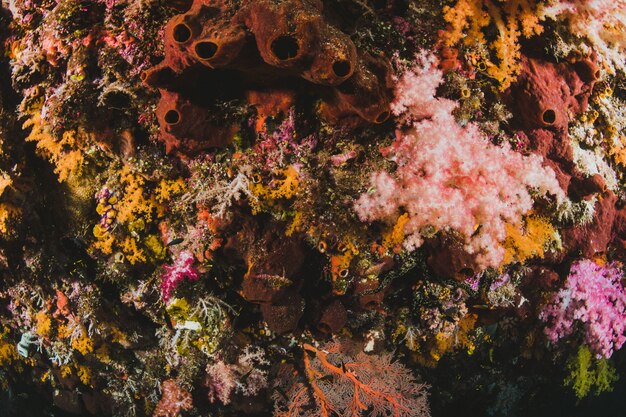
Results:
x,y
339,384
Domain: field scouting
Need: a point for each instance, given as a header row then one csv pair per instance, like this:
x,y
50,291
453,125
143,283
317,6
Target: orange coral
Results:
x,y
529,242
513,19
64,152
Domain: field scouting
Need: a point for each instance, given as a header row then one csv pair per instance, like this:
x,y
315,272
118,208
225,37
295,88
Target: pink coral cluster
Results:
x,y
593,297
174,400
182,268
246,377
451,176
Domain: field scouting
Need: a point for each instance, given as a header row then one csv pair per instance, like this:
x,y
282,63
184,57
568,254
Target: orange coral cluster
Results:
x,y
468,20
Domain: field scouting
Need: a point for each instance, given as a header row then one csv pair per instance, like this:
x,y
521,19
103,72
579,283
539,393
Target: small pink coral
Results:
x,y
594,298
174,400
182,268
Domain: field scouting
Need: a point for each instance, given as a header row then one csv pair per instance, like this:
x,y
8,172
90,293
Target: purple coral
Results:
x,y
182,268
595,299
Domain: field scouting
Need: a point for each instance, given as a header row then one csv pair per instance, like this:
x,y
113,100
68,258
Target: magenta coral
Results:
x,y
182,268
450,176
594,298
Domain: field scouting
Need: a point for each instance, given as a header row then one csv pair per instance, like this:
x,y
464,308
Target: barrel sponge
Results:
x,y
267,41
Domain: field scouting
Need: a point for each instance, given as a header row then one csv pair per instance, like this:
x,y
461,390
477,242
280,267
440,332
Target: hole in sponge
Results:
x,y
382,117
285,47
182,33
206,50
341,68
549,117
172,117
323,327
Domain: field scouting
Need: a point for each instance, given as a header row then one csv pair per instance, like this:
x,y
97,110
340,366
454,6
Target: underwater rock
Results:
x,y
595,237
283,316
188,127
448,258
545,96
370,296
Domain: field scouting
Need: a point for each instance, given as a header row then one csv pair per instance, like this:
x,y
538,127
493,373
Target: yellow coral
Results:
x,y
7,211
618,152
168,189
285,187
132,253
83,344
395,236
296,224
64,152
66,370
513,19
84,374
529,242
102,353
105,241
5,182
137,206
8,353
43,323
444,343
134,202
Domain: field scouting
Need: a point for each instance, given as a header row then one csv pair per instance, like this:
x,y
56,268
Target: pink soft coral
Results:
x,y
450,176
594,298
174,400
175,274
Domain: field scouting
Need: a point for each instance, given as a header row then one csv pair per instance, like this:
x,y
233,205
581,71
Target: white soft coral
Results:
x,y
601,22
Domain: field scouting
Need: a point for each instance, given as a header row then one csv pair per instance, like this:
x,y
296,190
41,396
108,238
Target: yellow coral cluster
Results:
x,y
284,187
7,210
138,205
468,20
64,151
530,241
8,353
394,237
435,348
618,151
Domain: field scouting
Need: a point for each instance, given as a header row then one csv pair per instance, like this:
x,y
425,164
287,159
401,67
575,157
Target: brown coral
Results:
x,y
262,43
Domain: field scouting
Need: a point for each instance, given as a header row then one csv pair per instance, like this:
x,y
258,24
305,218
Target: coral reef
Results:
x,y
312,208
